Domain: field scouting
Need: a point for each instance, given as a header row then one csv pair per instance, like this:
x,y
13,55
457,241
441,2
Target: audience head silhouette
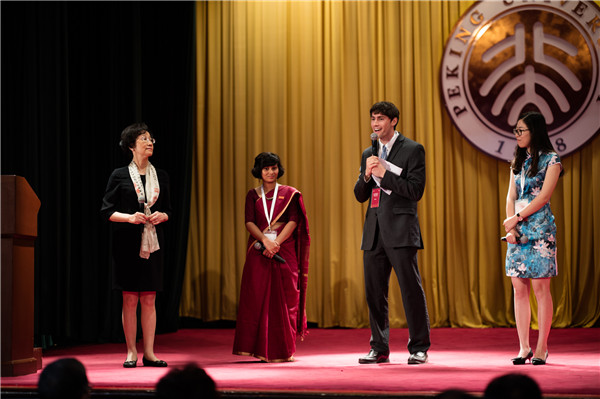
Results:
x,y
191,382
64,379
513,386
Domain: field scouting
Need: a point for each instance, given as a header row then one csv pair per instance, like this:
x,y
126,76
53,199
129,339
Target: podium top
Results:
x,y
20,207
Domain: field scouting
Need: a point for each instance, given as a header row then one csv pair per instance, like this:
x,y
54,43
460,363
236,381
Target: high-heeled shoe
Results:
x,y
536,361
522,360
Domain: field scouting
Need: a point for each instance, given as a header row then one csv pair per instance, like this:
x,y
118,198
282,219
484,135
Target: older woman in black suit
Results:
x,y
137,202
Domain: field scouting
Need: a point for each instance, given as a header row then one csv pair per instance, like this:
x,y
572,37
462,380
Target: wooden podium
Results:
x,y
20,207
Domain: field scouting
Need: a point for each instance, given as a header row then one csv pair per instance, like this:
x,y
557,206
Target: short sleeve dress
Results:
x,y
130,272
537,257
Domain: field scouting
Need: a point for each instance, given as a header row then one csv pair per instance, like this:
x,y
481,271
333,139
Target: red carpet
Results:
x,y
327,362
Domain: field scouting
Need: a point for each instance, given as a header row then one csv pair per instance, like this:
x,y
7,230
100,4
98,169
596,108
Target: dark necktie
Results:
x,y
384,153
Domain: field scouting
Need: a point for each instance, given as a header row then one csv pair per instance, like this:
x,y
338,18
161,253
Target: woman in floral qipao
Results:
x,y
531,231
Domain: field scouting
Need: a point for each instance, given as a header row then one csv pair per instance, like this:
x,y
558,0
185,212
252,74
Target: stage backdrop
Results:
x,y
298,79
74,74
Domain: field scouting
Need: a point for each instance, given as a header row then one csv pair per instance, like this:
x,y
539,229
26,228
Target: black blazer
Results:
x,y
397,213
120,195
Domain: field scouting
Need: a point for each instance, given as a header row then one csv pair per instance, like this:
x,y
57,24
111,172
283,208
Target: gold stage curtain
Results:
x,y
298,79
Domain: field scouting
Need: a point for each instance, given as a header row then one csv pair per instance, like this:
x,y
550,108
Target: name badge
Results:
x,y
375,195
271,234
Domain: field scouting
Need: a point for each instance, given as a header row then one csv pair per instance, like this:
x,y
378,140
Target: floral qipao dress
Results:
x,y
537,257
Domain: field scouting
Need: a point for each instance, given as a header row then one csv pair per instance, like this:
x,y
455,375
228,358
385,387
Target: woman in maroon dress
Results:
x,y
271,311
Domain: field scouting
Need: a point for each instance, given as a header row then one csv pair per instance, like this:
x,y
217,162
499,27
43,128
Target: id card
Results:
x,y
271,234
375,196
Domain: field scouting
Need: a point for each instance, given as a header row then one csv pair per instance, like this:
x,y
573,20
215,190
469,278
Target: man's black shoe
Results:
x,y
418,358
375,357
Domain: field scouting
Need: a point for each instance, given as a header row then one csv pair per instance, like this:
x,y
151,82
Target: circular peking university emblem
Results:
x,y
507,57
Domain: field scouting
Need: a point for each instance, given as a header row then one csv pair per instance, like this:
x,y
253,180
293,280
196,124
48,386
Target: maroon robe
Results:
x,y
272,302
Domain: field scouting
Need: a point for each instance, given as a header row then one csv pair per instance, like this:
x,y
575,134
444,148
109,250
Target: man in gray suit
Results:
x,y
393,180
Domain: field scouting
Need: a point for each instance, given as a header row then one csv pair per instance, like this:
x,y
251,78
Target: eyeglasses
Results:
x,y
519,132
147,140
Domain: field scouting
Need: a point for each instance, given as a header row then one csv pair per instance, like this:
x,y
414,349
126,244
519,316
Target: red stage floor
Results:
x,y
327,362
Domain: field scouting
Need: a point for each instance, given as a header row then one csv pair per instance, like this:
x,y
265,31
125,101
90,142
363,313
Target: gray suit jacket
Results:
x,y
397,213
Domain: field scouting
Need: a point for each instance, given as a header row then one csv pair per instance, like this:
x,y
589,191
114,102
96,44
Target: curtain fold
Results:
x,y
298,79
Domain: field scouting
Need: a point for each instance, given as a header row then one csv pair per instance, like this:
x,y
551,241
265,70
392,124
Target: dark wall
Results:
x,y
74,74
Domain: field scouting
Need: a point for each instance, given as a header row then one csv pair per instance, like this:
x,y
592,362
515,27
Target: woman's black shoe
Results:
x,y
129,364
536,361
522,360
150,363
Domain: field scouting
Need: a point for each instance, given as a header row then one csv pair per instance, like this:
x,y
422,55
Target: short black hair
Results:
x,y
63,379
385,108
513,386
191,382
265,159
130,134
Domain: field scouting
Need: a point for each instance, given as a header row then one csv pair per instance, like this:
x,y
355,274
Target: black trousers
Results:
x,y
378,264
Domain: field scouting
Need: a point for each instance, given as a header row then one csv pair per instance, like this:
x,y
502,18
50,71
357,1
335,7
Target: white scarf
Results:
x,y
149,238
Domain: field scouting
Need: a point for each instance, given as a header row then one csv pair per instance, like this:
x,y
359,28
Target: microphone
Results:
x,y
259,246
520,239
374,144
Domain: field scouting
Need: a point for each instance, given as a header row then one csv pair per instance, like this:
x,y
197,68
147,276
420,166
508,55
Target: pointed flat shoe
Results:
x,y
155,363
